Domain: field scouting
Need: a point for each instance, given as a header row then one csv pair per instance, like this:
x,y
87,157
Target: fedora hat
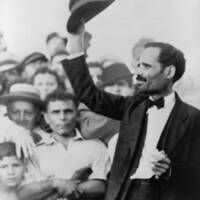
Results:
x,y
23,92
115,72
86,10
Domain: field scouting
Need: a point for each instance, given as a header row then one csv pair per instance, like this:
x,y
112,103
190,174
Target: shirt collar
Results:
x,y
48,139
168,100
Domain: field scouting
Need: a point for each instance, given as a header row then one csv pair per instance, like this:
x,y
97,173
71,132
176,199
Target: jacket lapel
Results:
x,y
126,147
174,128
135,126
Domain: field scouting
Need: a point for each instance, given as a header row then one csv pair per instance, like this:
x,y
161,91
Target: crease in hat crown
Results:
x,y
76,3
24,88
22,92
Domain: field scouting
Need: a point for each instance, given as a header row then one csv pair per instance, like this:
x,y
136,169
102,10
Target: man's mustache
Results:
x,y
140,78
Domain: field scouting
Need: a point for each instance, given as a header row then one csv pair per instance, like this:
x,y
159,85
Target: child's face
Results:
x,y
45,83
11,171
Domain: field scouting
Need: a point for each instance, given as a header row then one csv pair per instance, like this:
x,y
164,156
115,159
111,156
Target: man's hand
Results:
x,y
81,174
160,164
76,41
24,144
67,188
20,136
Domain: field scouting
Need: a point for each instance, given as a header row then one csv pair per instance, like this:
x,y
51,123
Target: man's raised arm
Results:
x,y
75,66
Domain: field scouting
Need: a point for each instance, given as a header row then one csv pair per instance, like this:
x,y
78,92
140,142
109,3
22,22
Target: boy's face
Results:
x,y
12,170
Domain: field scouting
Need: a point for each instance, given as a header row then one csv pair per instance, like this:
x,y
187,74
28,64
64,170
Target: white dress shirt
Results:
x,y
54,159
157,118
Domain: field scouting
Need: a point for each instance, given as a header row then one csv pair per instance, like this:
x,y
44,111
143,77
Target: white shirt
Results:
x,y
112,146
54,159
157,119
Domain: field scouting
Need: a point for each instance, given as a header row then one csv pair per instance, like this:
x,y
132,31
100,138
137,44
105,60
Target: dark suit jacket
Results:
x,y
180,138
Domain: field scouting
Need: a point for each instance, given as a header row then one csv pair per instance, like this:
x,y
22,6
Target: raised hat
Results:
x,y
24,92
86,10
115,72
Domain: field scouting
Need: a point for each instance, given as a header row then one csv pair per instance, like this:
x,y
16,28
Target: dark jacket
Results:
x,y
180,138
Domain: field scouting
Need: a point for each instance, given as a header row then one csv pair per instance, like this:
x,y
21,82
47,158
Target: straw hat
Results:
x,y
24,92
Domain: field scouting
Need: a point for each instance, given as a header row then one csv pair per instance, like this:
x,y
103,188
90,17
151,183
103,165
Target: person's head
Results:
x,y
61,112
46,81
12,168
9,67
159,67
56,62
96,72
23,104
117,79
32,63
55,43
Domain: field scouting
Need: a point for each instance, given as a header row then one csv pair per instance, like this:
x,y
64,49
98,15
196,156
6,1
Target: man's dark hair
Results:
x,y
60,95
170,55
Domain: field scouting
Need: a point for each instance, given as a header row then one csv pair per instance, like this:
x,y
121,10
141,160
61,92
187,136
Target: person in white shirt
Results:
x,y
63,152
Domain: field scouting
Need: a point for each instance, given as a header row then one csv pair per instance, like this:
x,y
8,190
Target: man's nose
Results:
x,y
62,115
22,116
10,170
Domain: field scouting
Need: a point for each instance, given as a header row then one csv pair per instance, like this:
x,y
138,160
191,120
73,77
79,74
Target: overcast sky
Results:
x,y
26,23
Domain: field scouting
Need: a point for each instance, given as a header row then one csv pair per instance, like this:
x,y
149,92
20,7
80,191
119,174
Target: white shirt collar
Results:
x,y
169,99
48,139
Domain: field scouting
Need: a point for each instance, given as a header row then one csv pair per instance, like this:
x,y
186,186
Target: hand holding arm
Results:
x,y
20,136
67,188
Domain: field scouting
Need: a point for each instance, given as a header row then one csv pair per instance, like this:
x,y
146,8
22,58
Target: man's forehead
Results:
x,y
150,54
61,104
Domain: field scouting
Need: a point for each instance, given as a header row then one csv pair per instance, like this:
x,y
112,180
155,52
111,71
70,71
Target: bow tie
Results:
x,y
159,103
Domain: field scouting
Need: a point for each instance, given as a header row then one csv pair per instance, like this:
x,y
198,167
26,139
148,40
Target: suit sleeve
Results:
x,y
98,101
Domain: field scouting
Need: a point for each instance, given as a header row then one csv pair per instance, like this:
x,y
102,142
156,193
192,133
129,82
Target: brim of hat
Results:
x,y
86,10
111,81
9,98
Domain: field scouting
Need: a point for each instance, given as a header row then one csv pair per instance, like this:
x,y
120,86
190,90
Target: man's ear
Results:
x,y
46,117
170,71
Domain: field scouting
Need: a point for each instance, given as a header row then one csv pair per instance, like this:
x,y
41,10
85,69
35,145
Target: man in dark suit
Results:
x,y
157,155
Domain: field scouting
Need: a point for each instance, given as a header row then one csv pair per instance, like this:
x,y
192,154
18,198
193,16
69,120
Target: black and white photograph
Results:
x,y
99,100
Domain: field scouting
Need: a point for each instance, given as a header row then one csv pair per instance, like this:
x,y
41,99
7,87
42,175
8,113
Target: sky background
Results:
x,y
26,23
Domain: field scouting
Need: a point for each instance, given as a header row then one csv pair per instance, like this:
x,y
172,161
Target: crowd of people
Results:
x,y
73,129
